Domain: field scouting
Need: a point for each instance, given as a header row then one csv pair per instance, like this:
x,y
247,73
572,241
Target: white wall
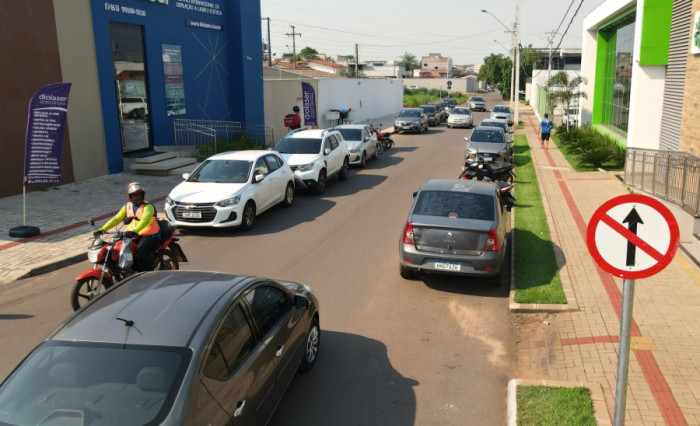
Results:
x,y
646,106
368,98
463,84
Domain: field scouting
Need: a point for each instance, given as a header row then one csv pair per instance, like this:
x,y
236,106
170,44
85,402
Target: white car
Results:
x,y
231,189
362,142
315,155
502,112
571,117
460,117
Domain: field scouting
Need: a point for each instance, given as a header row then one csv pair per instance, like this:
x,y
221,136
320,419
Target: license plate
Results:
x,y
487,158
192,215
448,266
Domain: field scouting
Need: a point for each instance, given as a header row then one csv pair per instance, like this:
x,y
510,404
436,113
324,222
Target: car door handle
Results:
x,y
279,351
239,408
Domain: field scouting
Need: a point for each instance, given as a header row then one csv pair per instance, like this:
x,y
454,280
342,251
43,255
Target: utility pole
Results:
x,y
357,62
549,63
269,44
517,66
294,46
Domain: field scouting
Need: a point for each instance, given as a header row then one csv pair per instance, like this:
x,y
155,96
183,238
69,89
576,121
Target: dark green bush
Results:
x,y
241,142
591,147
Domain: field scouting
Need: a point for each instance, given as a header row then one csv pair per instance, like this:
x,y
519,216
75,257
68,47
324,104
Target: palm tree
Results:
x,y
410,62
565,90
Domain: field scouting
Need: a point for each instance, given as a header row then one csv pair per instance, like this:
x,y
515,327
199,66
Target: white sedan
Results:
x,y
460,117
362,142
231,189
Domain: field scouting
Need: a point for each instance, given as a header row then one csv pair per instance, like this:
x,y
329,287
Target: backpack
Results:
x,y
290,120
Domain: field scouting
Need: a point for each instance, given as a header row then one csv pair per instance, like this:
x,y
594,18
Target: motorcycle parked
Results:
x,y
113,261
506,194
480,169
384,138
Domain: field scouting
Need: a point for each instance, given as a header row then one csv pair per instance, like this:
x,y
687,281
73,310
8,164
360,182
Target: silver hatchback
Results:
x,y
176,348
455,227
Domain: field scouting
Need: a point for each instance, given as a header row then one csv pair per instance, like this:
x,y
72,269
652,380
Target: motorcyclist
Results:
x,y
143,226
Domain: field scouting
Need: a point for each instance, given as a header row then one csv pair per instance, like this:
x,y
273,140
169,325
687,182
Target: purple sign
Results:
x,y
44,141
309,102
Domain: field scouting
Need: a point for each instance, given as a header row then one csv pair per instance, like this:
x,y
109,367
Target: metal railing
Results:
x,y
191,134
671,175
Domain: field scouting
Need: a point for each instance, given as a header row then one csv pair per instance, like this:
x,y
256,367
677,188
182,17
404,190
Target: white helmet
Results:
x,y
134,187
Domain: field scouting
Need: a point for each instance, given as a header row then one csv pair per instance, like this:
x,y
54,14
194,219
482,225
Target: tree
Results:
x,y
308,53
409,62
288,57
496,72
349,72
564,90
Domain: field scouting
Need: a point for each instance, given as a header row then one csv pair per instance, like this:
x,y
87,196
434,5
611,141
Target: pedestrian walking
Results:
x,y
545,130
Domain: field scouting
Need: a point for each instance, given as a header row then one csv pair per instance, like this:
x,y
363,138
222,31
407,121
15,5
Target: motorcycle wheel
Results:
x,y
85,290
167,261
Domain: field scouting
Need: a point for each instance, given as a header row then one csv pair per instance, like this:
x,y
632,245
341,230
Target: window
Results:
x,y
232,344
268,304
334,141
618,76
261,167
465,205
273,162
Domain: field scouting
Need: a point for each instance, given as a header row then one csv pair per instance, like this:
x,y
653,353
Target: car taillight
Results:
x,y
491,241
408,234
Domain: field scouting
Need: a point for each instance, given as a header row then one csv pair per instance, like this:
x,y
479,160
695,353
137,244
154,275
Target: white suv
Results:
x,y
315,155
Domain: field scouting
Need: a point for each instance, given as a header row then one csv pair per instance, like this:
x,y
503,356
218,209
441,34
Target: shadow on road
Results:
x,y
353,383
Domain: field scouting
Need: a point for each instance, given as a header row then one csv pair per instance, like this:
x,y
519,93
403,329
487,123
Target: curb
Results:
x,y
52,266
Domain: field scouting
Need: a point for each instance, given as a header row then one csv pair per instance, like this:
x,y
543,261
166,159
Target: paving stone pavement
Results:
x,y
582,345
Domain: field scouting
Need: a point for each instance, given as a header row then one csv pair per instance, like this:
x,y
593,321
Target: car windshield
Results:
x,y
299,146
351,134
465,205
462,111
500,108
409,113
485,135
478,99
222,171
93,384
428,109
499,124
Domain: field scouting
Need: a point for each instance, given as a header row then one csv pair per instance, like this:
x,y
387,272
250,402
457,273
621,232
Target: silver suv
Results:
x,y
315,155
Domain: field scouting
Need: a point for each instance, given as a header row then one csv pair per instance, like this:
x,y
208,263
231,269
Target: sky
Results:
x,y
385,30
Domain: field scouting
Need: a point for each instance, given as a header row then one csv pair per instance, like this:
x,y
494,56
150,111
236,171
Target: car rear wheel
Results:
x,y
363,160
377,151
345,171
313,342
406,273
288,195
248,216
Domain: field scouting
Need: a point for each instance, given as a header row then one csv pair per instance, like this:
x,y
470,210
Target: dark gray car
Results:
x,y
491,141
455,227
432,113
171,347
411,120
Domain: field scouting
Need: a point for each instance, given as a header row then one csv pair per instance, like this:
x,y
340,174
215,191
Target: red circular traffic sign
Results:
x,y
632,236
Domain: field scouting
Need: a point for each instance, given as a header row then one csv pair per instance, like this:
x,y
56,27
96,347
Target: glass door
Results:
x,y
131,85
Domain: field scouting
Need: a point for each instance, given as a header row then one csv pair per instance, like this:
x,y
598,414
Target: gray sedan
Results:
x,y
455,227
490,141
176,348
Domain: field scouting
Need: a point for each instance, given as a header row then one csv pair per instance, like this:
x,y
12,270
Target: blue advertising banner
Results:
x,y
44,140
309,101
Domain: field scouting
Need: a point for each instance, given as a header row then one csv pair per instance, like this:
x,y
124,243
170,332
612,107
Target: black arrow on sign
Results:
x,y
633,219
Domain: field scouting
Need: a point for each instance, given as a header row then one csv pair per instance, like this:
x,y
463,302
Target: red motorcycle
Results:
x,y
113,261
384,138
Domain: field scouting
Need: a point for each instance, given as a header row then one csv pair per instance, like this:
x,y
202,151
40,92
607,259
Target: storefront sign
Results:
x,y
44,140
210,7
309,102
174,81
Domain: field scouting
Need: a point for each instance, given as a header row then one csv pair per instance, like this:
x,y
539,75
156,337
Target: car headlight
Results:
x,y
168,200
471,150
229,201
305,167
355,150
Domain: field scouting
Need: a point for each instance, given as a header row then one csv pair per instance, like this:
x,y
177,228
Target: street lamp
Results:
x,y
508,30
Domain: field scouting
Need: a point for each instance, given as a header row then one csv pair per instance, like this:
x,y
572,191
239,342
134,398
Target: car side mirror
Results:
x,y
466,139
326,151
258,178
366,138
185,176
414,194
301,302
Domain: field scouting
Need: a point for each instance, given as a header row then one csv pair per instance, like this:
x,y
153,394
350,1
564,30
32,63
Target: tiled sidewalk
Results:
x,y
581,345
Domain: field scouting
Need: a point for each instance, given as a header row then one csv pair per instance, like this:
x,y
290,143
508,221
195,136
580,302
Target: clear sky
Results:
x,y
385,30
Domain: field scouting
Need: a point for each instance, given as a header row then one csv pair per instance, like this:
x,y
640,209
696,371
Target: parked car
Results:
x,y
490,88
134,107
170,347
455,227
449,104
432,113
502,112
460,117
491,142
441,111
315,155
411,119
476,103
231,189
571,117
362,142
501,124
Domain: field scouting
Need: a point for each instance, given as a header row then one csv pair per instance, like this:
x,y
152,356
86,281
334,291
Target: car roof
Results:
x,y
489,128
308,133
410,109
166,307
246,155
351,126
464,185
489,121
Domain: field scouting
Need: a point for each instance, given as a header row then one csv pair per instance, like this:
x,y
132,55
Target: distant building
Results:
x,y
562,59
325,66
434,65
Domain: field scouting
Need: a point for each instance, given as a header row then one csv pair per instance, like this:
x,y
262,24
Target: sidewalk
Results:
x,y
581,345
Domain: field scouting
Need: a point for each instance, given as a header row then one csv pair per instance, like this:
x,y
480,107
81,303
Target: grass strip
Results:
x,y
536,271
549,405
573,158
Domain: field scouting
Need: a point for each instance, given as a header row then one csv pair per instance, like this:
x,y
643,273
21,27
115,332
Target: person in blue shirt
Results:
x,y
545,130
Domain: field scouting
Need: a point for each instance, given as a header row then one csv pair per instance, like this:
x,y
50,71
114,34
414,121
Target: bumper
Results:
x,y
411,127
355,158
486,265
460,123
305,180
204,217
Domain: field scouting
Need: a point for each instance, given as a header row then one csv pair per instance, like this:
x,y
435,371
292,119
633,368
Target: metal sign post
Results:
x,y
623,357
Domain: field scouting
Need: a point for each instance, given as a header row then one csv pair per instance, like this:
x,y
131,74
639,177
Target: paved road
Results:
x,y
434,351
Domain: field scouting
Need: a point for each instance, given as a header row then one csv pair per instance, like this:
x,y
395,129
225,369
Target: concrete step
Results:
x,y
161,156
161,168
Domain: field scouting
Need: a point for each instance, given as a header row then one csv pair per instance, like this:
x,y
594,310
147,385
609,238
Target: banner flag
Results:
x,y
44,140
309,102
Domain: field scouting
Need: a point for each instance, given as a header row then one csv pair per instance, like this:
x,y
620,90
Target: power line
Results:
x,y
569,26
